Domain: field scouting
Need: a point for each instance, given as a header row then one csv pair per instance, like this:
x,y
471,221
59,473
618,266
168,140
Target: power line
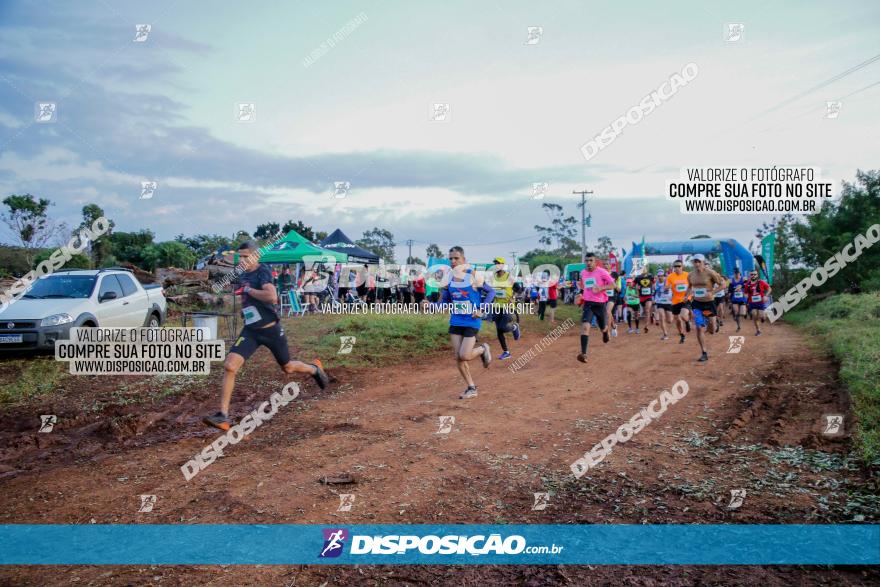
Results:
x,y
532,237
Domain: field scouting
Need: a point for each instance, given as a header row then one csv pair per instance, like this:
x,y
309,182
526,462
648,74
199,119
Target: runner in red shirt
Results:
x,y
757,291
552,299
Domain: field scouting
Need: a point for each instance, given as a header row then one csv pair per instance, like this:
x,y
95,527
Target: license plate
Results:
x,y
10,338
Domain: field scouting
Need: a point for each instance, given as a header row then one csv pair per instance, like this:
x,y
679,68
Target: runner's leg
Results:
x,y
457,343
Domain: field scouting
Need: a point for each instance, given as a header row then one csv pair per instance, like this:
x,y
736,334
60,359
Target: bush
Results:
x,y
77,261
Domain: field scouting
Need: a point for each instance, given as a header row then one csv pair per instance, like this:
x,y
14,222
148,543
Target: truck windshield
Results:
x,y
62,286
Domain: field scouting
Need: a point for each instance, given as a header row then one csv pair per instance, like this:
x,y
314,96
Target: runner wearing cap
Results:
x,y
703,283
595,283
262,327
502,283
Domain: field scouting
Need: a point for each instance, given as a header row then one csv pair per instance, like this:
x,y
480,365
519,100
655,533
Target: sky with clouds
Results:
x,y
166,110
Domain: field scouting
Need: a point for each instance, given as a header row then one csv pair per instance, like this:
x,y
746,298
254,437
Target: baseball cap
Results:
x,y
698,257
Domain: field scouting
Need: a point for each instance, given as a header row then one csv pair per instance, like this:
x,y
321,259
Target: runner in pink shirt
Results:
x,y
595,284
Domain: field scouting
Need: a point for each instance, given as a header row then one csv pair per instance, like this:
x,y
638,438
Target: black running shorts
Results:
x,y
250,339
708,308
596,309
464,331
676,308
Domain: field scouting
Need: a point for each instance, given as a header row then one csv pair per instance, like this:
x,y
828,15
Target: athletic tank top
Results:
x,y
466,300
739,292
502,286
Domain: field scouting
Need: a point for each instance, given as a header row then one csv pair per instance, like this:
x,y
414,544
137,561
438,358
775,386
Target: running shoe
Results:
x,y
758,333
218,420
646,330
582,358
681,340
737,327
468,393
664,337
319,376
614,332
504,355
605,336
487,356
704,357
516,332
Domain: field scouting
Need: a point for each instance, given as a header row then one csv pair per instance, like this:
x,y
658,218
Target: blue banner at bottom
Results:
x,y
159,544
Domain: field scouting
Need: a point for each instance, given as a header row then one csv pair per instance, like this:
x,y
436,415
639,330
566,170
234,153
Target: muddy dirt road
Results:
x,y
751,420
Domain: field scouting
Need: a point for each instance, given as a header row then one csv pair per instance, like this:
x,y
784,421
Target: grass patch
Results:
x,y
380,339
848,325
33,377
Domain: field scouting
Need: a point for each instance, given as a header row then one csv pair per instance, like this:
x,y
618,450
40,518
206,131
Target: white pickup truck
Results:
x,y
97,297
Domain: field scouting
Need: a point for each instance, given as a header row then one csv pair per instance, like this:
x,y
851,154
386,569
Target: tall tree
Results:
x,y
267,230
434,251
379,241
561,227
29,223
604,247
204,244
301,228
100,249
839,223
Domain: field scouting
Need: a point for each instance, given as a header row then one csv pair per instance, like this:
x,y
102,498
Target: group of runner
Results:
x,y
677,297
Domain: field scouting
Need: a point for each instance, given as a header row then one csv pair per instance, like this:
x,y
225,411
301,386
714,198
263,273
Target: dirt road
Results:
x,y
751,420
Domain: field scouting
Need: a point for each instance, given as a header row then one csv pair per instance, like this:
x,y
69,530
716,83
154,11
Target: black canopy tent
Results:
x,y
340,243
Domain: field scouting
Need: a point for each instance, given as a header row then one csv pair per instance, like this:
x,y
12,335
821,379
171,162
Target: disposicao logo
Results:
x,y
334,541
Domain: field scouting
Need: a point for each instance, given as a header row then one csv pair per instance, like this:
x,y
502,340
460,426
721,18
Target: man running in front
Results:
x,y
595,284
704,283
262,327
464,294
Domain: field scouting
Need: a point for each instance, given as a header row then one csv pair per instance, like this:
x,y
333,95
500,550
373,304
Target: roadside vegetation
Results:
x,y
849,326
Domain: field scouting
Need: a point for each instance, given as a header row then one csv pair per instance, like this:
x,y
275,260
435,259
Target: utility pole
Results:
x,y
514,266
583,206
410,244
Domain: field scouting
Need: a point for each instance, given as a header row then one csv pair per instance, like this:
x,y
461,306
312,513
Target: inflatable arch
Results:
x,y
733,253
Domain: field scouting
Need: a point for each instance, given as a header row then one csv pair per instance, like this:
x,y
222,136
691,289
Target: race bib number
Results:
x,y
700,292
646,291
738,291
590,282
681,287
757,298
251,314
462,308
501,294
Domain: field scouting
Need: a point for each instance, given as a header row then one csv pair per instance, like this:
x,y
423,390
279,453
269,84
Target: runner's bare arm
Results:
x,y
266,294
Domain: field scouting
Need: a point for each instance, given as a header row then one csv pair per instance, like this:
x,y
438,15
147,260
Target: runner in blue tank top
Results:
x,y
465,293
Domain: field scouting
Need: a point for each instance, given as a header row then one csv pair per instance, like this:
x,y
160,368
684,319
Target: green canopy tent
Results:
x,y
294,248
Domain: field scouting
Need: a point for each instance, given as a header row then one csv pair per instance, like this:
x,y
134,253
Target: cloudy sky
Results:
x,y
166,109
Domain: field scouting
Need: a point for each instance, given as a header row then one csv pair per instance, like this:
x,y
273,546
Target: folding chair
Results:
x,y
295,305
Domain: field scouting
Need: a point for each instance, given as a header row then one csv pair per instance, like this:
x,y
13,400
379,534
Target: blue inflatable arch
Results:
x,y
734,254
